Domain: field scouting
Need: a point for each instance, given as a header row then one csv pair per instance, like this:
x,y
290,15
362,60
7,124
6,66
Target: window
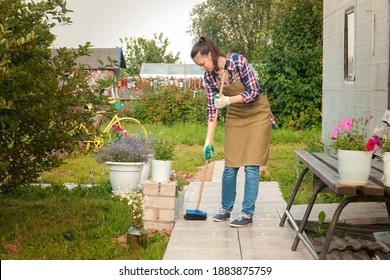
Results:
x,y
349,45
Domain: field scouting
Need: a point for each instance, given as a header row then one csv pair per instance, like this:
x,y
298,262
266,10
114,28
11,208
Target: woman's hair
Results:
x,y
205,46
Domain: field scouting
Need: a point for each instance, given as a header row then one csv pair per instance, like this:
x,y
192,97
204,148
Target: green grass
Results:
x,y
55,223
88,223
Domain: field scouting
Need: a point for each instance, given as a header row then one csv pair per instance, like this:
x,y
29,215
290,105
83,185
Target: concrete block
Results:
x,y
161,202
159,226
163,215
151,188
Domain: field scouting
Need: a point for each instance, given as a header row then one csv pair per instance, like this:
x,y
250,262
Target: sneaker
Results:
x,y
241,221
223,215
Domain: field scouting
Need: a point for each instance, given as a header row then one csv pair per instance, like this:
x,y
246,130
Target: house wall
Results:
x,y
367,95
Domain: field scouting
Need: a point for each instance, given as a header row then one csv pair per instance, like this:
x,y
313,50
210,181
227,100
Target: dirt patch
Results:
x,y
14,247
199,173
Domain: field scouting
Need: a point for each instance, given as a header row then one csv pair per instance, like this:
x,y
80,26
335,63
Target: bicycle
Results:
x,y
116,121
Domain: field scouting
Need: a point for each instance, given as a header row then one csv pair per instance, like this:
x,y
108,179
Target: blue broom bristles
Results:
x,y
195,215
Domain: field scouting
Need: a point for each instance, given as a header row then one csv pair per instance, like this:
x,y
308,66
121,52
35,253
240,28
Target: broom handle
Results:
x,y
211,143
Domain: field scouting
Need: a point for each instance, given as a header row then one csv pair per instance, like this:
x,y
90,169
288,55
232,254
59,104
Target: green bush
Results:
x,y
39,113
170,105
290,68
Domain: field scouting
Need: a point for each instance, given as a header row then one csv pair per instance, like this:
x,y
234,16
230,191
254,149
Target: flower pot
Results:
x,y
161,170
145,171
386,169
354,167
124,176
179,203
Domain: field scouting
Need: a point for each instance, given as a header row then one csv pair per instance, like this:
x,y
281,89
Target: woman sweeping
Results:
x,y
247,127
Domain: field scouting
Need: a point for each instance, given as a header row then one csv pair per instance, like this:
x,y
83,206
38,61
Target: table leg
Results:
x,y
293,195
332,225
309,207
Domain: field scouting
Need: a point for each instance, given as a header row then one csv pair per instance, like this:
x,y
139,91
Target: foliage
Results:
x,y
320,230
232,25
170,105
289,62
351,134
131,148
41,96
163,149
189,139
59,224
137,202
140,50
181,180
385,146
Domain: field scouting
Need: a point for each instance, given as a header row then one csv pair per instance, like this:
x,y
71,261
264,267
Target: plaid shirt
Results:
x,y
234,63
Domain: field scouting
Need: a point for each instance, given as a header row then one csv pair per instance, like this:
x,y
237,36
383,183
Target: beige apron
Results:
x,y
247,129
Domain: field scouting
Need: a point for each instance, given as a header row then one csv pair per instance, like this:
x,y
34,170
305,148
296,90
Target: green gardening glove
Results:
x,y
208,150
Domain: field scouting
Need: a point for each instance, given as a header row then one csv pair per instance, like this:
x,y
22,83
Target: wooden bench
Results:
x,y
325,179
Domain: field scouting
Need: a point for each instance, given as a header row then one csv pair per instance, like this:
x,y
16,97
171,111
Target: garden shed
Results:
x,y
164,74
355,62
168,70
101,67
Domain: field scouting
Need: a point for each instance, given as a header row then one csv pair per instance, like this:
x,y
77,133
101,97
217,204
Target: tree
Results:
x,y
232,25
290,62
140,50
41,95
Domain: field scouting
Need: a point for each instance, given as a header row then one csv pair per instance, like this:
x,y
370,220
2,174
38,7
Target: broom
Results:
x,y
197,214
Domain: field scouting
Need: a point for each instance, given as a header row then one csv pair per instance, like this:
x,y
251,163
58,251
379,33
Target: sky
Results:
x,y
104,22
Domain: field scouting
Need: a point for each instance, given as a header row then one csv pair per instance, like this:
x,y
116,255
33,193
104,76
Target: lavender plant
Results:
x,y
133,148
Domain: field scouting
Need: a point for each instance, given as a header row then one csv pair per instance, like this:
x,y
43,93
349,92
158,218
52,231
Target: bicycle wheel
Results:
x,y
98,142
130,125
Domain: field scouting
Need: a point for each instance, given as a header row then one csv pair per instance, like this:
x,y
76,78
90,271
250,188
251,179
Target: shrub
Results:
x,y
170,105
163,149
41,97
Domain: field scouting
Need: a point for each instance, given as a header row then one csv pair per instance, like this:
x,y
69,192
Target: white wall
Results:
x,y
367,94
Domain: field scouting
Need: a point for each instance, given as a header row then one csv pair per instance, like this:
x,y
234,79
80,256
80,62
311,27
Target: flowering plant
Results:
x,y
117,132
385,145
163,149
350,134
181,180
127,148
137,202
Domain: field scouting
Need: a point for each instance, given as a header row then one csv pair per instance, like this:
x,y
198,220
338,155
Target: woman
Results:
x,y
247,128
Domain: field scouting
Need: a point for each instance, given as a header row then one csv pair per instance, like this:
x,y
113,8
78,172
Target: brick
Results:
x,y
159,226
151,214
166,215
162,189
161,202
162,215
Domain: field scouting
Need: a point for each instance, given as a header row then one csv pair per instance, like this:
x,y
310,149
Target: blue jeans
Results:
x,y
251,190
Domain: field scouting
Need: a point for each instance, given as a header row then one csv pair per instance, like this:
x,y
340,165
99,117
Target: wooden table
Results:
x,y
325,179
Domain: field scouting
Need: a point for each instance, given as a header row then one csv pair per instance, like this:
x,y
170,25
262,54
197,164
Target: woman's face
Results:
x,y
204,61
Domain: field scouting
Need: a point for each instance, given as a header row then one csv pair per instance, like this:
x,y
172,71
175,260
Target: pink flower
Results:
x,y
335,131
346,124
370,144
